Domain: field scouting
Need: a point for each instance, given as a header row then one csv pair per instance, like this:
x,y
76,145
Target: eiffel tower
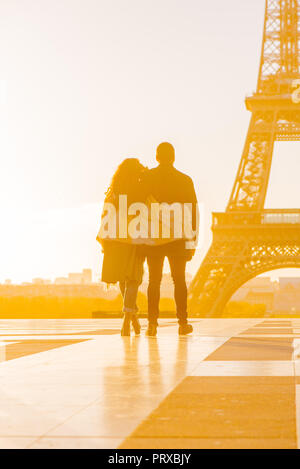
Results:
x,y
249,240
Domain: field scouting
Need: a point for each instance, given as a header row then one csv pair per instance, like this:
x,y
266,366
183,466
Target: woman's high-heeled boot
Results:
x,y
125,331
136,324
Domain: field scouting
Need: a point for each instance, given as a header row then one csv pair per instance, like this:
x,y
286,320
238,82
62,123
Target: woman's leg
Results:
x,y
130,296
129,307
129,290
122,288
125,331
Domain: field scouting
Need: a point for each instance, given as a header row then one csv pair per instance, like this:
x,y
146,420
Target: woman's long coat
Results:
x,y
121,262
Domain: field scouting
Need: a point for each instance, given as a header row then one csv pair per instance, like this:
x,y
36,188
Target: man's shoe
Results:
x,y
185,329
152,330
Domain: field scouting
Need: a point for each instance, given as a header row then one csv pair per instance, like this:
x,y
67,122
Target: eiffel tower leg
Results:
x,y
219,276
247,239
250,187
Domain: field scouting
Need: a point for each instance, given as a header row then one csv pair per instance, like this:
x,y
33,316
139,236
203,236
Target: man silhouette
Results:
x,y
168,185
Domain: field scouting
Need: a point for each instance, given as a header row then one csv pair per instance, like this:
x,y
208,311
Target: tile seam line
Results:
x,y
67,419
177,384
44,435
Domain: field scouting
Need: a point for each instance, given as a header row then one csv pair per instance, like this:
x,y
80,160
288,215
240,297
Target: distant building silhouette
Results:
x,y
76,278
292,281
41,281
281,297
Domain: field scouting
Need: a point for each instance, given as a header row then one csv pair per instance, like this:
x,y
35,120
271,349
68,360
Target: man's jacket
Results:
x,y
168,185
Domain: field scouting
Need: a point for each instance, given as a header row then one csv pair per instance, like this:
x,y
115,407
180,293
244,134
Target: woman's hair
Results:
x,y
126,181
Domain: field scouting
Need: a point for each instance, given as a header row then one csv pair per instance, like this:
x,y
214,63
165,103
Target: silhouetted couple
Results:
x,y
130,233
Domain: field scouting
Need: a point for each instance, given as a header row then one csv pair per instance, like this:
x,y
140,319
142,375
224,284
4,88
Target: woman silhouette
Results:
x,y
123,260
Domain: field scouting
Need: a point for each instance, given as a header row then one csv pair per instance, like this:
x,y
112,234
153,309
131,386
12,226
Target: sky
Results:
x,y
86,83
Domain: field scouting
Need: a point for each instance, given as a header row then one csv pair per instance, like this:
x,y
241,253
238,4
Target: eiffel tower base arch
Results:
x,y
241,251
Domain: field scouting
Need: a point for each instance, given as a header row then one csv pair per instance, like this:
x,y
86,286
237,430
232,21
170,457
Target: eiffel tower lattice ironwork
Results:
x,y
247,239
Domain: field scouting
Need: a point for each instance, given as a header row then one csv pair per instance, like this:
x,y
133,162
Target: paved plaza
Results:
x,y
235,383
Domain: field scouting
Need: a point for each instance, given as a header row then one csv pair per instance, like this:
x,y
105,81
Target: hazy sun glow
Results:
x,y
85,84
